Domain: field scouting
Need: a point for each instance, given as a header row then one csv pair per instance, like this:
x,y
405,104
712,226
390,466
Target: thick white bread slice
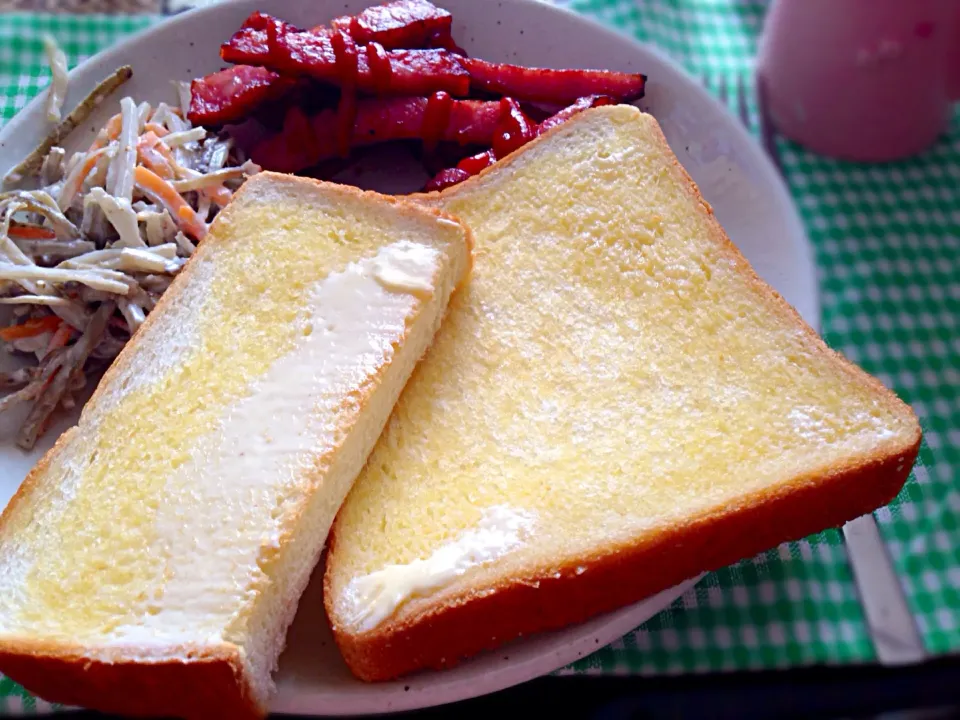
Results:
x,y
615,404
152,562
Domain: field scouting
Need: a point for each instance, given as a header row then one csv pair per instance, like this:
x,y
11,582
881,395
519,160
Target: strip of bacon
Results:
x,y
232,94
247,46
512,132
584,103
347,67
448,178
302,145
398,24
554,87
250,45
297,53
403,24
257,21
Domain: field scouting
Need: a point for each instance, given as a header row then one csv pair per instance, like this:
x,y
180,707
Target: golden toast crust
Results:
x,y
442,636
207,684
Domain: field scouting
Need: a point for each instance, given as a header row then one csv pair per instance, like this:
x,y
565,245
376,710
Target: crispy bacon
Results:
x,y
289,51
584,103
469,122
512,132
346,53
247,46
448,178
404,24
250,45
402,49
474,164
404,72
554,87
398,24
257,21
232,94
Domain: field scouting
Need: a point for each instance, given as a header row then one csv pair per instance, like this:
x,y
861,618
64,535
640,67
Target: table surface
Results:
x,y
887,242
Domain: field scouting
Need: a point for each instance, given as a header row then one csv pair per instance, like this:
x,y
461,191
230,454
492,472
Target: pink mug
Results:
x,y
868,80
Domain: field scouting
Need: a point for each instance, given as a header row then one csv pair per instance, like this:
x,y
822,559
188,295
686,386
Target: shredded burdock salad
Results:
x,y
87,251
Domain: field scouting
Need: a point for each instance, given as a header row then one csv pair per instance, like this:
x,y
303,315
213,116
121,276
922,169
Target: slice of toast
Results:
x,y
616,404
153,560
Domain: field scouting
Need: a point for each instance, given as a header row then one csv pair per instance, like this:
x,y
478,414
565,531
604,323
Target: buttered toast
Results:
x,y
616,403
153,560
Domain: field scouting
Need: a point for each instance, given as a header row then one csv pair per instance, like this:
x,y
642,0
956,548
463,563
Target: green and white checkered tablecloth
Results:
x,y
887,240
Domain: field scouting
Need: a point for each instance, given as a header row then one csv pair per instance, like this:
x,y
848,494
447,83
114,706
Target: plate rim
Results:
x,y
610,626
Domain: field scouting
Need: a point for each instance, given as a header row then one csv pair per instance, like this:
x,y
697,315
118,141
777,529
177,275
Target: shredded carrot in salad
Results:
x,y
220,195
109,133
73,183
153,158
31,328
30,232
61,337
158,130
155,186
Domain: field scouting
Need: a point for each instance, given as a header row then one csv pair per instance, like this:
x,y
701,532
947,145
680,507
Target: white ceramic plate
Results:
x,y
734,175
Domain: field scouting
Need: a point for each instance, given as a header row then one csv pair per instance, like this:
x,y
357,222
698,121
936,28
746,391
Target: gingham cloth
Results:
x,y
887,240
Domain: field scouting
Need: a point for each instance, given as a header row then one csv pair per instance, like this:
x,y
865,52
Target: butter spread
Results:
x,y
221,519
407,267
373,598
